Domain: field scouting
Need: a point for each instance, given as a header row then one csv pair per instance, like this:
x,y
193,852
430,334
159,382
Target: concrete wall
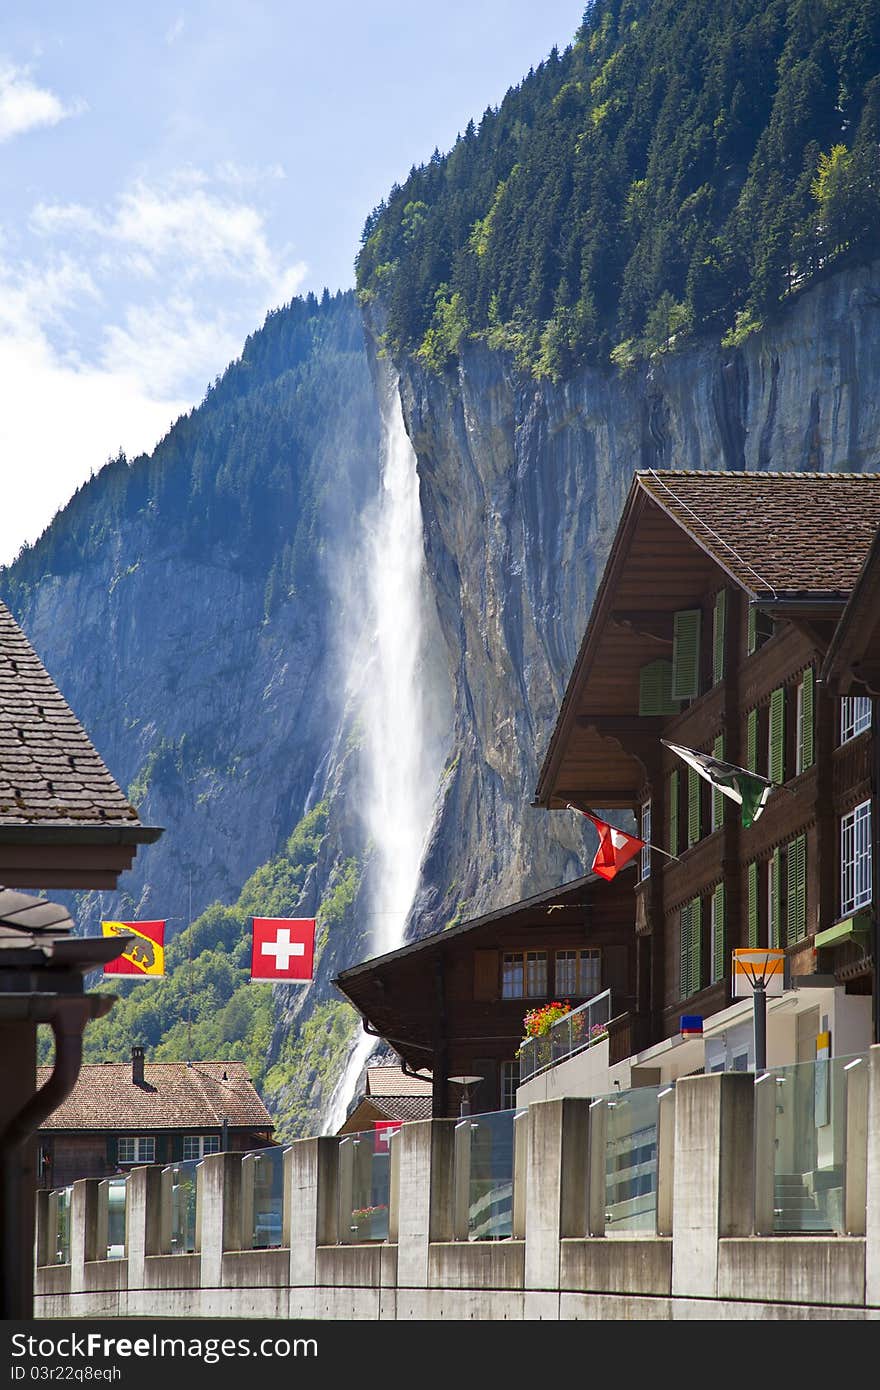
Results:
x,y
715,1161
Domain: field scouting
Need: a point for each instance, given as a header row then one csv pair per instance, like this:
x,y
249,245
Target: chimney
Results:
x,y
137,1066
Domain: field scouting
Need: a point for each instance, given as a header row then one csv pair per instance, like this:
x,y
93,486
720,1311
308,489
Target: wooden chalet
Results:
x,y
121,1114
453,1003
390,1094
720,599
64,823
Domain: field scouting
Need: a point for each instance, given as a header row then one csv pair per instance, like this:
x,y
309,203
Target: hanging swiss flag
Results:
x,y
283,949
382,1132
616,847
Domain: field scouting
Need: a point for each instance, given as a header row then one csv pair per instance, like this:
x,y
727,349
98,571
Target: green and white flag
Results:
x,y
748,789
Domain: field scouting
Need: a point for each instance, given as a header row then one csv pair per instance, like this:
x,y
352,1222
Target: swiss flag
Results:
x,y
283,949
616,847
382,1132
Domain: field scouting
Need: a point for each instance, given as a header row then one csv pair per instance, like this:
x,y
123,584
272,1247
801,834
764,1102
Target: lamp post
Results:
x,y
465,1082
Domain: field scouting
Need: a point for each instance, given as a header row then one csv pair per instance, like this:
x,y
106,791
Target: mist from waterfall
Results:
x,y
397,701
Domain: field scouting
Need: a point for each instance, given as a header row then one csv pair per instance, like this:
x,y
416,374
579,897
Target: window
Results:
x,y
509,1083
776,737
717,933
760,630
197,1145
855,716
673,813
691,932
752,741
774,905
645,834
578,973
655,689
855,859
524,975
752,903
141,1150
804,746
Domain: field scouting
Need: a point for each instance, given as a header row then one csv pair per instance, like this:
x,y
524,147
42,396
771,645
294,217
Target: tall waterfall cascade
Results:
x,y
394,683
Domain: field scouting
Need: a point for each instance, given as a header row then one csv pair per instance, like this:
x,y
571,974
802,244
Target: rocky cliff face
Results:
x,y
522,485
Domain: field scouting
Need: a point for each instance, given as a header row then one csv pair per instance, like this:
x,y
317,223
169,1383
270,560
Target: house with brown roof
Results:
x,y
719,602
123,1114
64,823
453,1004
390,1094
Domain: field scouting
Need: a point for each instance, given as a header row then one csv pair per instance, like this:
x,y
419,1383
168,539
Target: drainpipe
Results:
x,y
68,1021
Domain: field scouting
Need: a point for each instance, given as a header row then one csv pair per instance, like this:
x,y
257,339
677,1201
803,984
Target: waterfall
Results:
x,y
395,681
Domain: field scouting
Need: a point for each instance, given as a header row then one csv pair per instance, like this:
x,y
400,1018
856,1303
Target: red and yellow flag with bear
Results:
x,y
143,956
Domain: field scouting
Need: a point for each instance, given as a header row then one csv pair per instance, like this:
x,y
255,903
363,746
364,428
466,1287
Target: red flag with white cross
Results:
x,y
283,949
382,1132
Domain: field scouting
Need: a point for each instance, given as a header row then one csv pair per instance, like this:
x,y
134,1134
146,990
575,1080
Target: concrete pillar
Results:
x,y
143,1221
84,1230
310,1214
462,1183
556,1184
855,1170
219,1177
426,1202
713,1185
872,1213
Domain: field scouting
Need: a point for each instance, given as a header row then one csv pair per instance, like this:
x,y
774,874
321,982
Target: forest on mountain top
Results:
x,y
678,172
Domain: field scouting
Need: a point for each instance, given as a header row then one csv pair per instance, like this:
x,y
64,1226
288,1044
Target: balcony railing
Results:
x,y
579,1029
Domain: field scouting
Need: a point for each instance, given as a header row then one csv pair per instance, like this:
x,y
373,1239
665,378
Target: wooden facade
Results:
x,y
447,1003
691,642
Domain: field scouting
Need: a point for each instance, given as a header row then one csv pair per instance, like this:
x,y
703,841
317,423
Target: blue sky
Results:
x,y
173,171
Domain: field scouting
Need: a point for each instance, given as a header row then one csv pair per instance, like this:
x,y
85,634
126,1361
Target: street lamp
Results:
x,y
465,1082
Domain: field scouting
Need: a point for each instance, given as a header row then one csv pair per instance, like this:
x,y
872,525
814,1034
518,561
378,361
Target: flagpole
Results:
x,y
585,810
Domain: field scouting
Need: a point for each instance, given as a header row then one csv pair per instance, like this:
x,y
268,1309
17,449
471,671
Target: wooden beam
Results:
x,y
646,622
622,723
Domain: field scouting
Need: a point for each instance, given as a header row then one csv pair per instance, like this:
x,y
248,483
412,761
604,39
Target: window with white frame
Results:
x,y
855,716
197,1145
139,1150
578,973
855,859
645,834
509,1083
524,975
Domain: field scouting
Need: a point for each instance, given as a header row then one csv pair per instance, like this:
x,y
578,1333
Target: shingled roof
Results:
x,y
174,1095
775,533
391,1080
49,770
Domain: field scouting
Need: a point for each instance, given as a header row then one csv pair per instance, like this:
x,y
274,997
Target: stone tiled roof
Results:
x,y
403,1107
775,533
50,773
175,1095
391,1080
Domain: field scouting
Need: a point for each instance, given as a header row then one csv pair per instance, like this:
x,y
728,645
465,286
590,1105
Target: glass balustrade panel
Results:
x,y
62,1229
116,1194
268,1224
490,1193
631,1125
809,1137
371,1183
183,1206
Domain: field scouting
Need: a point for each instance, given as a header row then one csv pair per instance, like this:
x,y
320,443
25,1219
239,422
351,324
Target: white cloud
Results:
x,y
174,30
24,106
116,323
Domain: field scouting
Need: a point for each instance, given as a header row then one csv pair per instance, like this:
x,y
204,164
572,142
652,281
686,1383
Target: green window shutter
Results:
x,y
805,752
718,797
686,654
777,736
673,813
655,686
753,904
796,904
752,741
691,928
774,914
694,780
719,933
719,625
753,632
